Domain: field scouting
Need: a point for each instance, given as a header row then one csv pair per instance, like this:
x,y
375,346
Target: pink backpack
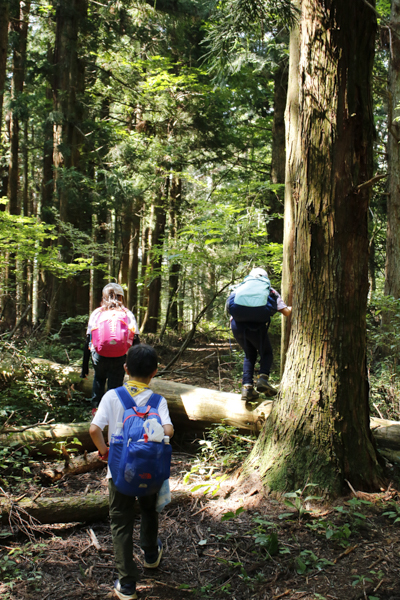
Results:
x,y
111,336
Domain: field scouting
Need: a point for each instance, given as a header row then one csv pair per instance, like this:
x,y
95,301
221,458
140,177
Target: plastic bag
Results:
x,y
164,496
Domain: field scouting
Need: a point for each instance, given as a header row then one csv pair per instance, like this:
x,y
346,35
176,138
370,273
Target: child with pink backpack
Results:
x,y
111,330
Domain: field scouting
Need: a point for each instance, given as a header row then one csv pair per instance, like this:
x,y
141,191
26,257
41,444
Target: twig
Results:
x,y
351,487
94,539
12,431
20,320
282,595
240,437
370,182
377,409
345,553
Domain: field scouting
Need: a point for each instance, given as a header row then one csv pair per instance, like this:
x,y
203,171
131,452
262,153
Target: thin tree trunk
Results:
x,y
4,22
392,271
153,310
278,154
19,28
133,272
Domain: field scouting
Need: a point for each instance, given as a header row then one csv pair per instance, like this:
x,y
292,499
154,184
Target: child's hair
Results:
x,y
141,360
111,294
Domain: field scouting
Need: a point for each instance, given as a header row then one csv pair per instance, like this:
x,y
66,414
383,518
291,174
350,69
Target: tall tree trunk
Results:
x,y
19,28
4,22
175,269
153,309
68,88
132,300
278,155
292,150
319,431
392,275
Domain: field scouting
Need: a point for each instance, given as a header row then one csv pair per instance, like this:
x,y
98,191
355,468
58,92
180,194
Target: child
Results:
x,y
141,366
252,337
108,369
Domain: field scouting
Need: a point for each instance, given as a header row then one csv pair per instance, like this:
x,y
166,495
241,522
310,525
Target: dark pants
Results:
x,y
253,339
122,519
106,369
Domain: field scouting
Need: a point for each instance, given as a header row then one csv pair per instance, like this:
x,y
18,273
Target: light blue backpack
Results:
x,y
253,291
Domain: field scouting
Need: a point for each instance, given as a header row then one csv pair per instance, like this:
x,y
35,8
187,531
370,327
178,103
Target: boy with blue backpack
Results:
x,y
251,306
118,408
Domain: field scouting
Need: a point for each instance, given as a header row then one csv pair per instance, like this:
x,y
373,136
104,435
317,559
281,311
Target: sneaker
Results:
x,y
152,559
125,592
249,393
265,387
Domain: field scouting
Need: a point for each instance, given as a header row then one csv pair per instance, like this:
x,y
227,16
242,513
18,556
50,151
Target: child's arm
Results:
x,y
97,436
168,430
286,311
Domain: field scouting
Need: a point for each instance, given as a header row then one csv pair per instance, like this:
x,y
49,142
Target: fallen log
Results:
x,y
386,433
89,508
191,409
46,439
73,465
71,509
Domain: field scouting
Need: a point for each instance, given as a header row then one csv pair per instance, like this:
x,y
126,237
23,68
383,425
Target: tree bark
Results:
x,y
157,240
318,431
4,22
19,27
392,267
278,155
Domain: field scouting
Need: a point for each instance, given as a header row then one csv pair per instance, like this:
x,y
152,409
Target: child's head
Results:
x,y
141,361
112,296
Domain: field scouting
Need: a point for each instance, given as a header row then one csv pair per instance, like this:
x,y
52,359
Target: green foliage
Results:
x,y
39,391
392,512
232,515
264,538
223,446
30,240
308,561
19,564
15,466
298,501
221,449
383,322
333,531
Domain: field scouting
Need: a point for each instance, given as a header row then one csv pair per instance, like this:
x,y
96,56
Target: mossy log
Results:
x,y
70,509
47,439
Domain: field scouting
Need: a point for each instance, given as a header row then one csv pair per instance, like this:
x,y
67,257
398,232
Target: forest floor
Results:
x,y
236,543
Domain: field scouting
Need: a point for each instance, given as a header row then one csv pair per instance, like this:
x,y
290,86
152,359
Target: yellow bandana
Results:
x,y
135,387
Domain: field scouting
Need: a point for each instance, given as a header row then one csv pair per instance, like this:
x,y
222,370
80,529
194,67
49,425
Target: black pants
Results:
x,y
253,340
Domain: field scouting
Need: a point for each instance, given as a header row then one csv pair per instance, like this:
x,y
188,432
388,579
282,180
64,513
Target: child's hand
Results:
x,y
104,456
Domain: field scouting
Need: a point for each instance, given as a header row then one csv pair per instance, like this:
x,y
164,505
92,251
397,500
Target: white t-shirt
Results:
x,y
111,410
132,325
280,304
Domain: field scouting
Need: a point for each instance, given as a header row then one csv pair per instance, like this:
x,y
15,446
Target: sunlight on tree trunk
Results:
x,y
319,431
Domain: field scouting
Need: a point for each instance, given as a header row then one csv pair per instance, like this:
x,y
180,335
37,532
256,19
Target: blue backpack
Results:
x,y
252,301
138,466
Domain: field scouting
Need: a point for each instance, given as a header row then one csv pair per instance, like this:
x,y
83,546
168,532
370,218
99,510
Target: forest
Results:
x,y
171,147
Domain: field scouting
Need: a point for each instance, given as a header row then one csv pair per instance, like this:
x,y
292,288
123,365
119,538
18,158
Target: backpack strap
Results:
x,y
154,400
128,402
125,398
